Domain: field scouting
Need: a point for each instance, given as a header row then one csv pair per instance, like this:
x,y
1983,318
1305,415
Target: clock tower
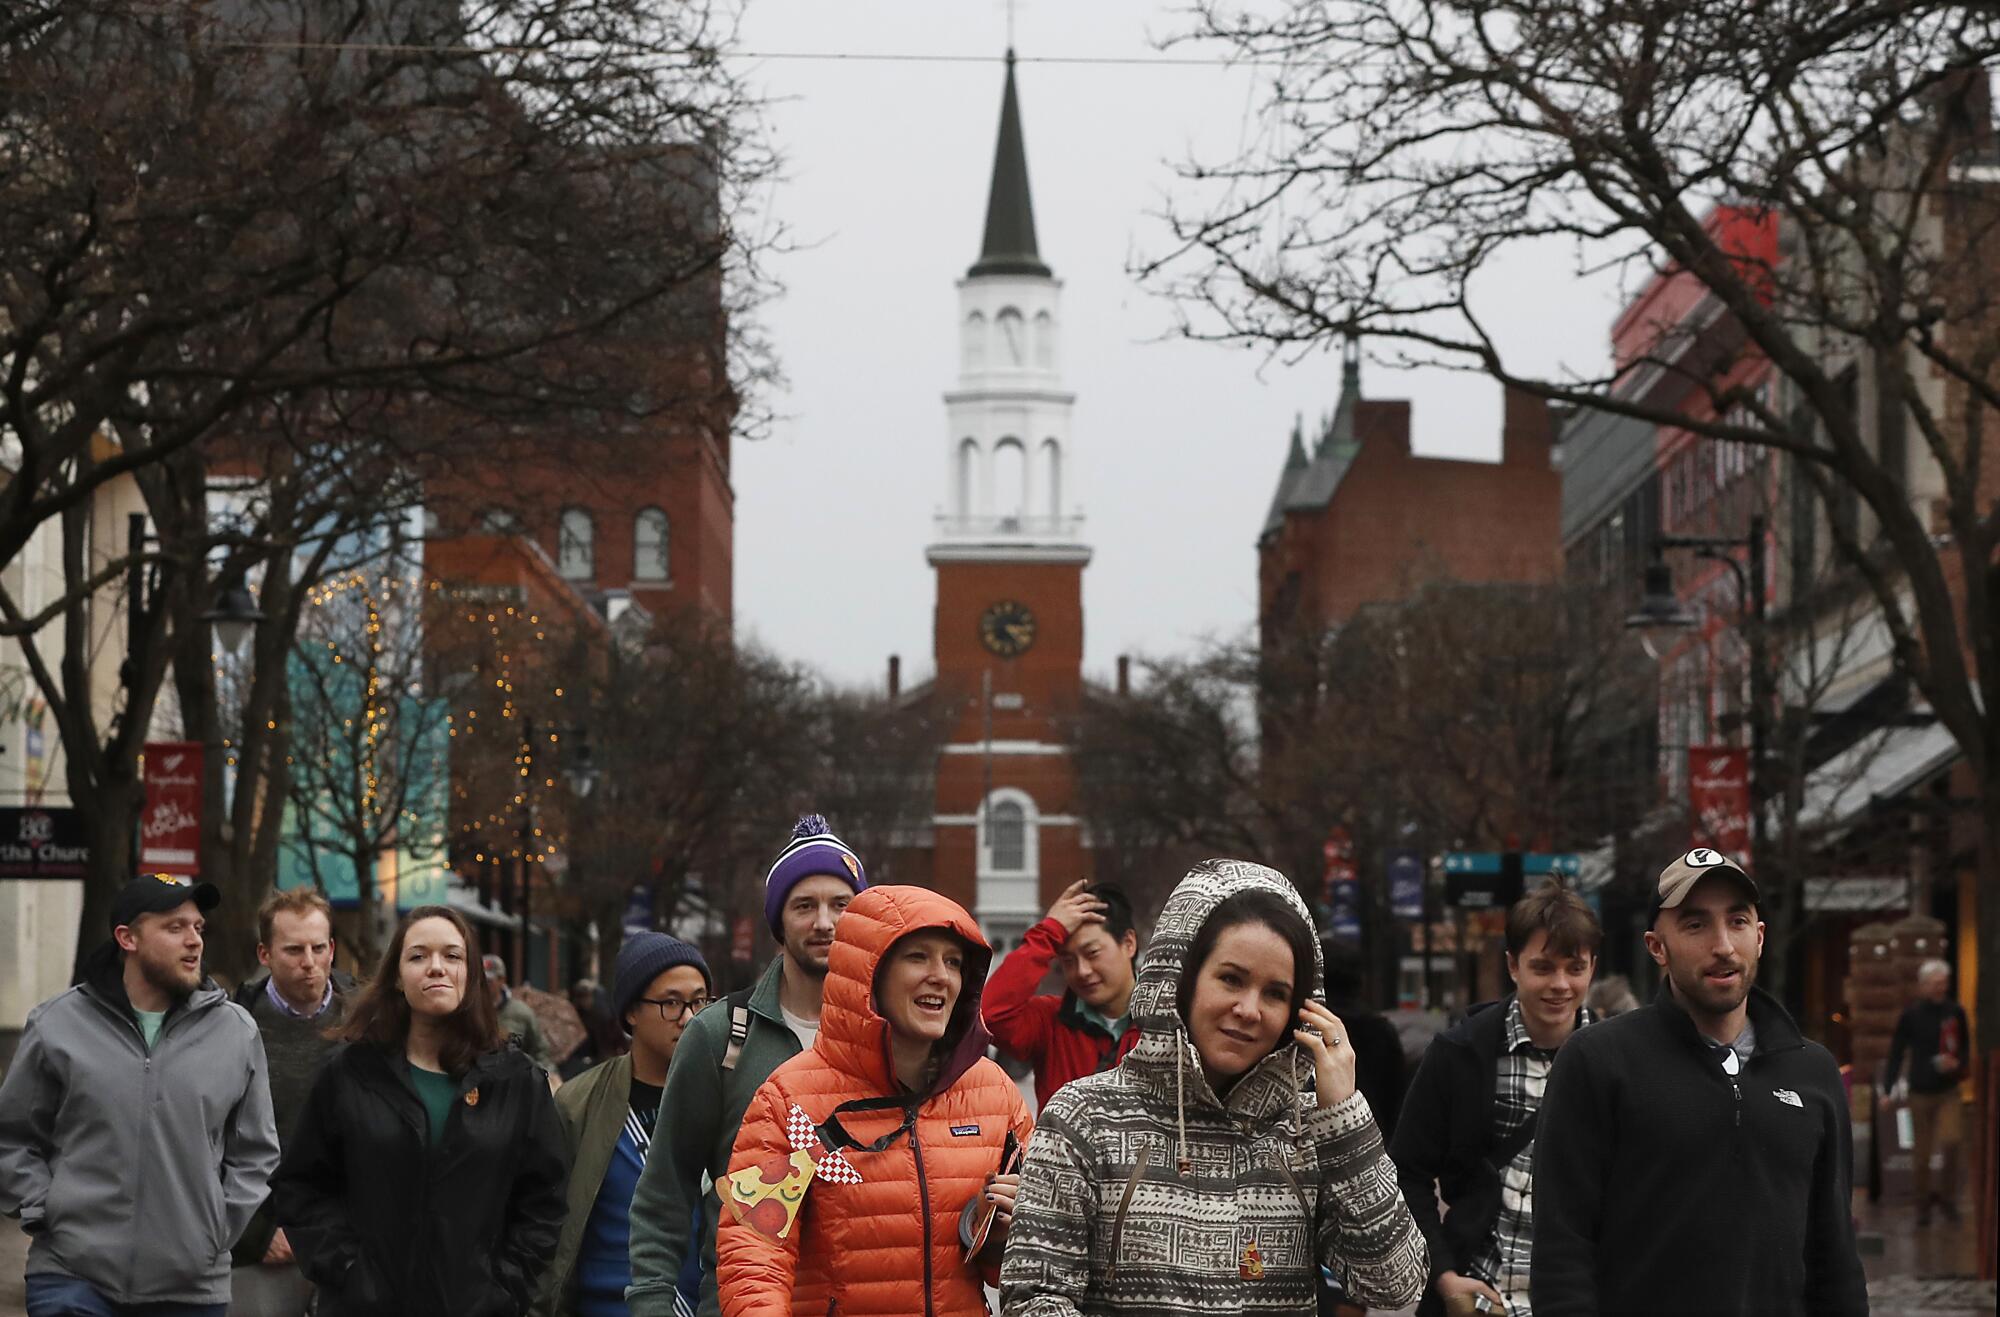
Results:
x,y
1009,555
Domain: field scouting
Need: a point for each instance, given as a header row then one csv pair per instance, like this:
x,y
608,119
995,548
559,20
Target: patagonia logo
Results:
x,y
1789,1098
964,1131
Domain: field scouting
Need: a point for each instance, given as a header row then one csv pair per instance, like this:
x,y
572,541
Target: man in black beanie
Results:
x,y
609,1113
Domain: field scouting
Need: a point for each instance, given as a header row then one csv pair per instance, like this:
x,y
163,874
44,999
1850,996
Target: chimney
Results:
x,y
1124,675
895,675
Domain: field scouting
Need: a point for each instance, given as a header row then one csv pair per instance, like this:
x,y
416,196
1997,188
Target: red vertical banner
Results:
x,y
170,825
1719,799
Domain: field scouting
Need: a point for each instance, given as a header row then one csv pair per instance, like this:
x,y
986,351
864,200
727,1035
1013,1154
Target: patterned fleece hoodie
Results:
x,y
1109,1221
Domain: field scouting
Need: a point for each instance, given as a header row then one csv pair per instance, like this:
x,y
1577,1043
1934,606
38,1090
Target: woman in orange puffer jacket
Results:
x,y
869,1162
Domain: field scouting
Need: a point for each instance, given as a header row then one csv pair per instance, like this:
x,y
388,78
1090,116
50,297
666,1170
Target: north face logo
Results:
x,y
1789,1098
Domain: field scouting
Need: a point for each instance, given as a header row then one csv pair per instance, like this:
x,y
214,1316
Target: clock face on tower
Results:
x,y
1007,629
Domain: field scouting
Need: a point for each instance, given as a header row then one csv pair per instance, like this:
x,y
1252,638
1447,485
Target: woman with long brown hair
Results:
x,y
426,1173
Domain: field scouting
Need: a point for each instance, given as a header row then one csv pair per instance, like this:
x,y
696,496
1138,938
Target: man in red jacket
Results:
x,y
1088,934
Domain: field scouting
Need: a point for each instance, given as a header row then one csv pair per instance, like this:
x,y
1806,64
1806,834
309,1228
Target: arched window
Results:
x,y
576,545
649,545
1052,474
975,341
1010,862
1006,837
1010,478
499,521
1045,340
968,458
1011,337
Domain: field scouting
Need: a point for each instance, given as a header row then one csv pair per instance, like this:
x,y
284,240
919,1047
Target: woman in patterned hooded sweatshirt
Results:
x,y
1200,1176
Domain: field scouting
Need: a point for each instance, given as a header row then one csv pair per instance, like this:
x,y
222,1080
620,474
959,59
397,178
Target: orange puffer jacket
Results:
x,y
888,1245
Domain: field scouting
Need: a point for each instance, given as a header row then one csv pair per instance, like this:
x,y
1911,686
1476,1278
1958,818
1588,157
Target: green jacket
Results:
x,y
699,1115
517,1021
593,1108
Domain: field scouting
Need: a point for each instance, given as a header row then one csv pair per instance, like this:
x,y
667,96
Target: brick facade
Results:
x,y
1364,520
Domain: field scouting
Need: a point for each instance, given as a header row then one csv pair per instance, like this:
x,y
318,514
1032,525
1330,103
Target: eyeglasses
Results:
x,y
673,1008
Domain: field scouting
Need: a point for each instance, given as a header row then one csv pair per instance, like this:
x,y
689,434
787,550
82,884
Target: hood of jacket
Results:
x,y
1165,1057
853,1035
104,979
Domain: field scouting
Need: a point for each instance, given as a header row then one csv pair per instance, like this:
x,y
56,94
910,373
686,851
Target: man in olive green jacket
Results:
x,y
725,1055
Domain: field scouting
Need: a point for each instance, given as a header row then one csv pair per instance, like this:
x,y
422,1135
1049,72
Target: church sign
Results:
x,y
42,843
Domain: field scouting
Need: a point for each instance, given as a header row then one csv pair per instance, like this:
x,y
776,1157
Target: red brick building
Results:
x,y
1009,554
1361,519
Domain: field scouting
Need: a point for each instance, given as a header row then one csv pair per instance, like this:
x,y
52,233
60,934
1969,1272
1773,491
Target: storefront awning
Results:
x,y
466,901
1878,767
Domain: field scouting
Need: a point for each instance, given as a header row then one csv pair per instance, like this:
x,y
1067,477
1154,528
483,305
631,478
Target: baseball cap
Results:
x,y
1679,878
157,893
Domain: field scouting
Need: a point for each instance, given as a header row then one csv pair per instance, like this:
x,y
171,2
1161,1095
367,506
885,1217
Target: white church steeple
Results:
x,y
1009,475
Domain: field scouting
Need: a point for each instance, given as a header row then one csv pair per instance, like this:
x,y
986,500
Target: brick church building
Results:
x,y
1009,556
1359,519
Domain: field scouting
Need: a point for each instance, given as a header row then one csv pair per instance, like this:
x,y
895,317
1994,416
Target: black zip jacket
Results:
x,y
1442,1135
384,1224
1677,1188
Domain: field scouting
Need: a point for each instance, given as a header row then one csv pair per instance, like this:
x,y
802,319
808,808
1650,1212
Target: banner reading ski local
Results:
x,y
1719,798
170,825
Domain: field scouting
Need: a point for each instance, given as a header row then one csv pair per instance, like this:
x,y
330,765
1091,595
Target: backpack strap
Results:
x,y
739,1026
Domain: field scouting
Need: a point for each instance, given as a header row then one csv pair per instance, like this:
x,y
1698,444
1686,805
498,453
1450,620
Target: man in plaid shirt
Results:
x,y
1468,1125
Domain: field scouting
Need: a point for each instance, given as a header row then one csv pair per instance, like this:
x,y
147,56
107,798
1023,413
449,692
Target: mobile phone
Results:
x,y
982,1227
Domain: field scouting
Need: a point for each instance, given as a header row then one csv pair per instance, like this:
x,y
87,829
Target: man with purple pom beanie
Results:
x,y
725,1056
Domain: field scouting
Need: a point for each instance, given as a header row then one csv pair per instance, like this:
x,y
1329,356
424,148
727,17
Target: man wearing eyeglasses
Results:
x,y
608,1112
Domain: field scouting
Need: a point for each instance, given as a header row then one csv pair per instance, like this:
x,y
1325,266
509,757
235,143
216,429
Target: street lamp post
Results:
x,y
1661,609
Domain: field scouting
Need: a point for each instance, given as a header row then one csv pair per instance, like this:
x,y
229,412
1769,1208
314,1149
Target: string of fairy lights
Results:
x,y
510,632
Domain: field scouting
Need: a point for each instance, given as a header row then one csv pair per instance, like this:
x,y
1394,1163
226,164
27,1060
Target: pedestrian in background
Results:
x,y
725,1056
877,1163
609,1115
1472,1119
1701,1161
1611,995
604,1035
1088,935
517,1022
295,1001
426,1173
1379,1068
1200,1175
1933,1034
136,1136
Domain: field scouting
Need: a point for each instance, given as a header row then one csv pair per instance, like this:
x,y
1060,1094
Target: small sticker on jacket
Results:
x,y
964,1131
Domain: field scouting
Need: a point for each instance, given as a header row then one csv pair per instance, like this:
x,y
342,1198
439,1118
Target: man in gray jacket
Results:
x,y
136,1135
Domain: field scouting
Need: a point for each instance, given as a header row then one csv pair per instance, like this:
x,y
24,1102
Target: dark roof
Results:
x,y
1009,246
1314,488
1295,465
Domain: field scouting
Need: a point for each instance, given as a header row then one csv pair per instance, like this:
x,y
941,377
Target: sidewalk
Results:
x,y
1914,1273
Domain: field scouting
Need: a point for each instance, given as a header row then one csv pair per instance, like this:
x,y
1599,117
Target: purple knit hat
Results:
x,y
812,850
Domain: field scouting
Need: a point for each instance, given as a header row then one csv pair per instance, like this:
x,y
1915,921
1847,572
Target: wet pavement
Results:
x,y
1912,1272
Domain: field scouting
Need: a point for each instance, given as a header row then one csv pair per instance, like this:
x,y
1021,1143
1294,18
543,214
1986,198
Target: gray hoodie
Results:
x,y
133,1170
1145,1191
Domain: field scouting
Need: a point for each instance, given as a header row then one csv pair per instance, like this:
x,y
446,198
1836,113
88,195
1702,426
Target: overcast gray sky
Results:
x,y
1176,446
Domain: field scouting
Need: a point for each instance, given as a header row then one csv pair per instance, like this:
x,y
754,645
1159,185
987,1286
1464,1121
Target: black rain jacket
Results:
x,y
1675,1187
384,1224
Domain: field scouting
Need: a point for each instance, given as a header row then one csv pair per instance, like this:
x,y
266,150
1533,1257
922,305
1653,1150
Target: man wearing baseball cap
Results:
x,y
136,1135
726,1054
1707,1163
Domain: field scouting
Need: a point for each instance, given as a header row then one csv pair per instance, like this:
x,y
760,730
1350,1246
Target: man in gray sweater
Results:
x,y
294,1002
135,1125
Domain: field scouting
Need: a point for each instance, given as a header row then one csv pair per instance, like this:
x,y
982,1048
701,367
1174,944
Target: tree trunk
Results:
x,y
1988,897
108,828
